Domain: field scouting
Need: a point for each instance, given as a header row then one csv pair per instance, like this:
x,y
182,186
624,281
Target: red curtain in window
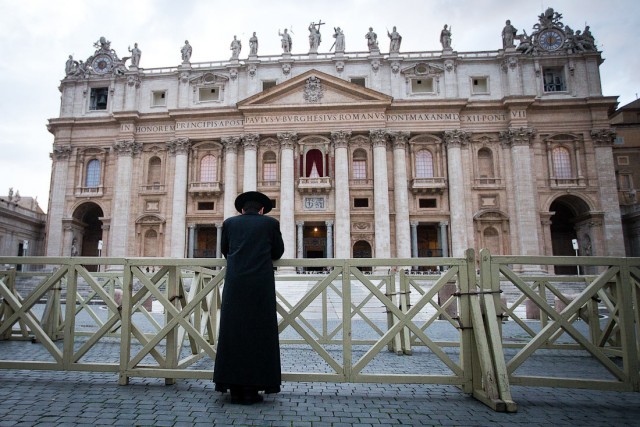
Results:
x,y
314,156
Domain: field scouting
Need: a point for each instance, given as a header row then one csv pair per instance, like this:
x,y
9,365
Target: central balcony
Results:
x,y
428,185
205,189
314,185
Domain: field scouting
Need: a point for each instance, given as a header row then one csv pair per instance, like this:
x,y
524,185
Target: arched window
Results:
x,y
359,164
208,169
561,162
269,170
424,164
93,174
485,163
155,171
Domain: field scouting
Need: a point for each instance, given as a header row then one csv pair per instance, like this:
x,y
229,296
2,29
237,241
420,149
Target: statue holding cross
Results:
x,y
314,36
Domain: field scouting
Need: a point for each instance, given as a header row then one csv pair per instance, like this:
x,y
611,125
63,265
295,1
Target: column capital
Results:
x,y
378,137
329,223
287,139
127,147
340,138
603,137
179,146
517,136
443,223
231,143
300,223
399,139
456,137
250,141
62,152
414,223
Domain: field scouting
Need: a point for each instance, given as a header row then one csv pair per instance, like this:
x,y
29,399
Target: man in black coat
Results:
x,y
248,353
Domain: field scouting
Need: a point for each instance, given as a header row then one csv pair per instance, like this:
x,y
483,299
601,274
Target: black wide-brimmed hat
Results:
x,y
255,196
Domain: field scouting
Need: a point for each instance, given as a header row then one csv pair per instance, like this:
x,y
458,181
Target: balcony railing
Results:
x,y
567,182
314,185
89,191
360,183
152,188
428,185
205,188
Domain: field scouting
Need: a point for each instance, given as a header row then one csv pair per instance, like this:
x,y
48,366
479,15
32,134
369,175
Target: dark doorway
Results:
x,y
566,210
428,244
362,249
89,215
315,242
206,242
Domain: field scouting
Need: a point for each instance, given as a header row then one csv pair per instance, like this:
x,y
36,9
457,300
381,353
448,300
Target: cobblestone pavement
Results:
x,y
46,398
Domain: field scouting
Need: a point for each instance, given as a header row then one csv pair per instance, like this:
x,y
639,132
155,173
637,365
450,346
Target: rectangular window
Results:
x,y
159,98
427,203
554,80
624,181
269,171
268,84
422,85
274,203
205,206
623,160
98,98
361,203
359,169
209,94
619,140
479,85
360,81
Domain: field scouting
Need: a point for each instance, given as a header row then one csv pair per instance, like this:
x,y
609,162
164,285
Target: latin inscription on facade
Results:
x,y
323,118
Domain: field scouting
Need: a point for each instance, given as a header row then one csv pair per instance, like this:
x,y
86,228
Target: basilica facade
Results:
x,y
364,154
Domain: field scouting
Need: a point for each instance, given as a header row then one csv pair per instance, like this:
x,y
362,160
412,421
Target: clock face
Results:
x,y
550,40
101,64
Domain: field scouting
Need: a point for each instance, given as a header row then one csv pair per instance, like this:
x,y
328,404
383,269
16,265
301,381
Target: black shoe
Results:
x,y
251,398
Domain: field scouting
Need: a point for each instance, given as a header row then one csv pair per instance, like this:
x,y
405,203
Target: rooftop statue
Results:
x,y
339,43
445,37
135,55
508,35
236,47
253,45
314,36
396,39
285,40
186,51
372,40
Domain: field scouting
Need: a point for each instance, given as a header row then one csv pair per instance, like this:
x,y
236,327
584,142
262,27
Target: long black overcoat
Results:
x,y
248,351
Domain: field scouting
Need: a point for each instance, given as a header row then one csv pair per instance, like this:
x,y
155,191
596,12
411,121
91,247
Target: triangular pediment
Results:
x,y
314,89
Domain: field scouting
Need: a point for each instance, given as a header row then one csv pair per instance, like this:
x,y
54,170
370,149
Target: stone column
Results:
x,y
454,139
250,143
401,194
381,193
230,174
218,240
329,225
343,212
60,167
300,245
192,241
525,200
179,148
612,227
287,188
444,238
121,205
414,239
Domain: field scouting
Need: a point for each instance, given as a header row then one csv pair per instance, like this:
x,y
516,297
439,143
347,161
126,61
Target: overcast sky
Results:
x,y
37,36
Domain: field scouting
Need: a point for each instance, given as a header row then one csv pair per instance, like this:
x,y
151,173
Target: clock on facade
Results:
x,y
551,40
102,64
